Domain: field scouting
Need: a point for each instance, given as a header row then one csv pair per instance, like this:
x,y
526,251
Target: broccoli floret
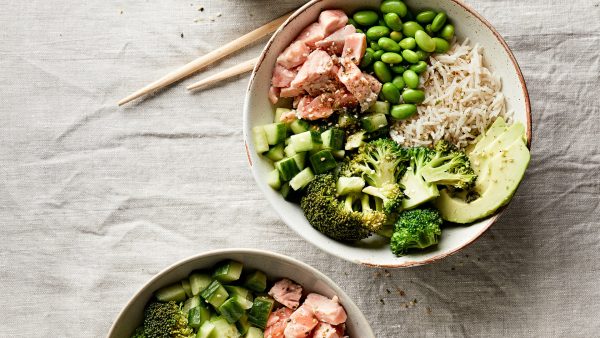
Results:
x,y
350,219
165,320
416,189
416,229
139,333
449,166
380,163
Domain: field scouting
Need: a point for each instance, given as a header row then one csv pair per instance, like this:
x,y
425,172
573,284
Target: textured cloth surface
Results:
x,y
95,199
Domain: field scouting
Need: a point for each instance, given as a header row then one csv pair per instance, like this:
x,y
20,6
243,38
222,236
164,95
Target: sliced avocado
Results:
x,y
496,129
501,167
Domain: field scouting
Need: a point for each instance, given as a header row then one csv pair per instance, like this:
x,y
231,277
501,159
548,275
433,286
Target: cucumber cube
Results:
x,y
171,292
254,332
199,282
302,142
300,159
256,281
234,290
228,271
355,140
260,311
288,193
215,294
289,151
288,168
273,179
231,310
243,325
333,139
260,139
275,132
299,126
373,122
302,179
186,287
190,303
223,329
198,315
279,112
276,152
348,185
206,330
339,154
380,107
346,121
323,161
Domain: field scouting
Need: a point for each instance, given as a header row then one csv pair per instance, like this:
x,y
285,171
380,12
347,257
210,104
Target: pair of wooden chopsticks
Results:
x,y
209,58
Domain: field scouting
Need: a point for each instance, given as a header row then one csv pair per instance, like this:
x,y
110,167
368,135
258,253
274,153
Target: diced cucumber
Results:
x,y
275,132
339,154
243,325
171,292
234,290
254,332
287,168
288,193
333,139
206,330
348,185
260,311
190,303
228,271
260,139
301,142
279,112
199,282
300,159
198,315
322,162
380,107
224,329
373,122
299,126
186,287
276,152
289,150
231,310
215,294
346,121
273,179
355,140
243,302
302,179
256,281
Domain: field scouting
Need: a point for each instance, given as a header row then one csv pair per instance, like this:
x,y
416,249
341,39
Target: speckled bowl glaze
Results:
x,y
258,110
274,265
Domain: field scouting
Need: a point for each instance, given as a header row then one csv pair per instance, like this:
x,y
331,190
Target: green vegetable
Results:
x,y
408,43
173,292
416,229
410,28
413,95
426,17
391,58
441,45
391,93
231,310
382,71
352,22
393,21
398,81
424,41
410,56
377,55
165,320
199,281
397,7
275,132
305,176
373,122
423,55
260,311
376,32
447,33
388,45
349,185
215,294
438,22
374,46
398,69
260,139
411,79
367,59
380,107
256,281
322,162
366,18
396,36
419,67
254,332
403,111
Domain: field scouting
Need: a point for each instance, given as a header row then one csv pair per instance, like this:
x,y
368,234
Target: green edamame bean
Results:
x,y
447,33
375,46
426,17
382,71
424,41
391,93
393,21
377,55
409,28
388,45
396,36
403,111
408,43
419,67
428,30
410,56
397,7
366,18
398,69
423,55
398,81
415,96
391,58
352,22
377,32
369,49
411,79
441,45
358,30
367,59
439,21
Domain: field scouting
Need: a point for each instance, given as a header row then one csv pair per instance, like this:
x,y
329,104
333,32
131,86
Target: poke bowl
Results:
x,y
241,276
472,49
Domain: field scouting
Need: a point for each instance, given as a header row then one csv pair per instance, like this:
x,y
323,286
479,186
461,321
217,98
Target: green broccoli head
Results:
x,y
449,166
390,194
416,229
139,333
416,188
343,220
380,162
165,320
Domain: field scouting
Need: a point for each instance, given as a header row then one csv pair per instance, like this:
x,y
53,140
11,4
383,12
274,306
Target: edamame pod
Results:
x,y
408,43
377,32
388,45
367,59
393,21
447,33
396,36
423,55
426,17
403,111
391,93
391,58
411,79
424,41
352,22
398,69
410,56
415,96
382,71
366,18
409,28
419,67
375,46
397,7
441,45
377,55
398,81
438,22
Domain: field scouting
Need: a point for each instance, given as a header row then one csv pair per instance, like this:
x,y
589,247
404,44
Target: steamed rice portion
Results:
x,y
463,98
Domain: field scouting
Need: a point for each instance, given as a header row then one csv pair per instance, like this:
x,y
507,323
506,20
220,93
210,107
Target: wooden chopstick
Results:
x,y
207,59
243,67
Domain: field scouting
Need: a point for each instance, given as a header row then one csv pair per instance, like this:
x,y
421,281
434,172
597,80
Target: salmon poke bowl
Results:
x,y
388,133
237,293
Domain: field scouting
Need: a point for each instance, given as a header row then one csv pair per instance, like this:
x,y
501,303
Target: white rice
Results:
x,y
462,99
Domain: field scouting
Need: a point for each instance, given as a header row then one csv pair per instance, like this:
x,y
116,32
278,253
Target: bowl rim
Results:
x,y
490,221
348,301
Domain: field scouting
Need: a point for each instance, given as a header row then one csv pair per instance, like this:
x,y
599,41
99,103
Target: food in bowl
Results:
x,y
386,124
228,302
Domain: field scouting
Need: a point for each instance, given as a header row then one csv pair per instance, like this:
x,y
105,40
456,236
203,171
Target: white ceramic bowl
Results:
x,y
274,265
258,110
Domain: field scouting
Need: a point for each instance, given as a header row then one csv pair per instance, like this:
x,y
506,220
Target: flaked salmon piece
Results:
x,y
294,55
311,34
324,330
332,20
277,322
355,46
321,107
291,92
374,84
287,293
334,43
282,77
342,99
301,323
325,309
357,84
274,94
288,117
317,74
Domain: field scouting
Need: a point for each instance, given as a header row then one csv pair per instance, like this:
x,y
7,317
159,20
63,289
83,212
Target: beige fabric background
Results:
x,y
95,199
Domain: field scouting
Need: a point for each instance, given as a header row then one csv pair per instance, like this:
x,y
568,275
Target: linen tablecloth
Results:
x,y
95,199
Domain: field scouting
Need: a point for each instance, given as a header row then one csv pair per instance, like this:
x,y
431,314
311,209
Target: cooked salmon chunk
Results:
x,y
325,309
321,107
317,75
291,92
287,293
282,77
324,330
274,94
355,46
332,20
357,83
277,322
301,323
334,43
311,34
294,55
